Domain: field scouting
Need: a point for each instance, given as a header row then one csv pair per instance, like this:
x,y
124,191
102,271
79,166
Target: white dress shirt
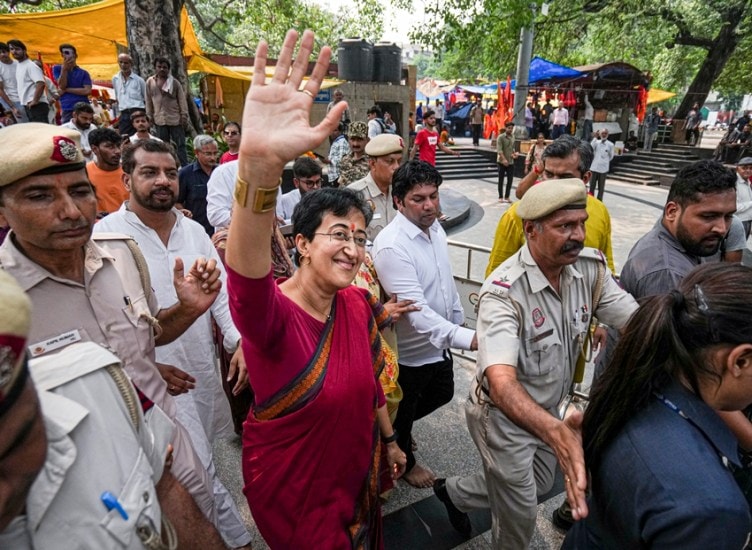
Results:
x,y
413,265
193,351
743,199
603,152
286,204
130,92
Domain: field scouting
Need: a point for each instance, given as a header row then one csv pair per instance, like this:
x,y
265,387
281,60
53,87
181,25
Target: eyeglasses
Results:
x,y
232,133
342,237
311,183
209,153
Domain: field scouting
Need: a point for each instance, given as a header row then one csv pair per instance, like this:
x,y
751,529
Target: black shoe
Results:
x,y
562,516
459,520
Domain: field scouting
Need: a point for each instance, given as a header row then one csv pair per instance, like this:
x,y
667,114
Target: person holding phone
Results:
x,y
73,81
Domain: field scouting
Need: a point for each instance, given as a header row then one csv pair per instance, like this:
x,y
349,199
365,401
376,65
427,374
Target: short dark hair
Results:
x,y
4,47
375,109
103,135
128,158
232,123
139,114
162,60
305,167
701,177
68,47
429,113
314,205
16,43
83,107
411,174
508,124
564,146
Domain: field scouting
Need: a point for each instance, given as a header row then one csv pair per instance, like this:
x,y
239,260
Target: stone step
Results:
x,y
647,161
642,169
629,179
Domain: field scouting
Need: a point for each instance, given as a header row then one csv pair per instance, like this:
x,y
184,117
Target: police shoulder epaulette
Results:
x,y
593,254
502,280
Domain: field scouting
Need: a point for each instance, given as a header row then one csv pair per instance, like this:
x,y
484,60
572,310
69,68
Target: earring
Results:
x,y
302,262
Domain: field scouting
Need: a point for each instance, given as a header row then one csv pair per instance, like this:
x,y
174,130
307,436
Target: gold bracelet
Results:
x,y
264,200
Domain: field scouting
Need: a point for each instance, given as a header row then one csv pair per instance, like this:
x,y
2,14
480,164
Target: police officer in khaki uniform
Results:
x,y
534,312
85,292
354,165
385,153
86,396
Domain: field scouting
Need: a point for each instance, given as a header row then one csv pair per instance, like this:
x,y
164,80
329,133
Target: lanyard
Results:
x,y
672,406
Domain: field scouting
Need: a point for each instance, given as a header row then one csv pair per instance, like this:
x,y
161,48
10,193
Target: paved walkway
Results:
x,y
414,518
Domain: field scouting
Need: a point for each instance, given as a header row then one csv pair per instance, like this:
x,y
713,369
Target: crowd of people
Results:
x,y
332,310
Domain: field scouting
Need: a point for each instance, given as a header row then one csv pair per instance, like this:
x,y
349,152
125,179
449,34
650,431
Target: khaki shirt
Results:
x,y
382,205
524,323
102,311
83,406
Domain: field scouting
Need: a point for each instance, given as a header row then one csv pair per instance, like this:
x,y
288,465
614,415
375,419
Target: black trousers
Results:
x,y
424,389
39,112
508,172
598,179
476,133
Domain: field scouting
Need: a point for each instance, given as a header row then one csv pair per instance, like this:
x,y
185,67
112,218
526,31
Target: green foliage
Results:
x,y
236,27
670,39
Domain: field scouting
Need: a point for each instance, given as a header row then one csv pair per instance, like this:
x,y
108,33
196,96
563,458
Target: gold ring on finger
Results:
x,y
307,92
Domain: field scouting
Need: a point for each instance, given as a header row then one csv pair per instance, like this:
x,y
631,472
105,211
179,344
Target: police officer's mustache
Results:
x,y
572,245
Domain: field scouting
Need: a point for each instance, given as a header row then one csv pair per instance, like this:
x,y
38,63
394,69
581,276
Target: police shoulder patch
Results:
x,y
593,254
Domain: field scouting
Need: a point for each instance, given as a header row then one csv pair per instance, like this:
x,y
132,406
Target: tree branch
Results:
x,y
209,27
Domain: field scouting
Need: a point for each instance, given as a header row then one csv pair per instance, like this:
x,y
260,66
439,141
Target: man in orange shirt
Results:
x,y
104,172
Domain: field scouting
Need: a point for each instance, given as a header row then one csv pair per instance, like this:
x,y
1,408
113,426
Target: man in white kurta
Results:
x,y
204,410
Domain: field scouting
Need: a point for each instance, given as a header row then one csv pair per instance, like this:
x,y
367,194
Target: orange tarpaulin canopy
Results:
x,y
96,30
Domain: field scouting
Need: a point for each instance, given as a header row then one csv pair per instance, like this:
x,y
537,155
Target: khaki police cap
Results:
x,y
552,195
15,320
357,129
38,149
384,144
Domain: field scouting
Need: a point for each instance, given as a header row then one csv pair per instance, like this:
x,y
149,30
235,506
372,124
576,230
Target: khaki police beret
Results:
x,y
385,144
746,161
38,148
357,129
551,195
15,320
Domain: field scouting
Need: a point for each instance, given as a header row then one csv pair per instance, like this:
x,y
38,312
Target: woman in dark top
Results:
x,y
661,460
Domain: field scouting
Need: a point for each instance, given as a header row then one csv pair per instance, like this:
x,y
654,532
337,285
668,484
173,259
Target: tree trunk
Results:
x,y
153,28
712,66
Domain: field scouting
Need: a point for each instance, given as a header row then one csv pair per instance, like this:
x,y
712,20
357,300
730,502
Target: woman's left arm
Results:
x,y
395,457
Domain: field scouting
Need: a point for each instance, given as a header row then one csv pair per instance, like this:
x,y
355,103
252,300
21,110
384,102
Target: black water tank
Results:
x,y
355,60
387,63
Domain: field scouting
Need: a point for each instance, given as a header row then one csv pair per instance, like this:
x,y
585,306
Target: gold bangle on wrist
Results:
x,y
264,199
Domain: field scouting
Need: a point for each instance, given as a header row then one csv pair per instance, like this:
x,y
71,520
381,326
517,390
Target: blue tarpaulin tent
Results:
x,y
542,70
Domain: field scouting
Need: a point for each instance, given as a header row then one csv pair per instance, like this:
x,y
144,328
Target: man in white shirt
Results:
x,y
30,84
141,125
412,261
376,124
8,86
603,152
130,93
560,121
306,176
82,121
744,193
164,234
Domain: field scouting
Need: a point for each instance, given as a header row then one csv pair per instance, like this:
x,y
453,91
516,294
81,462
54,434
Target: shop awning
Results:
x,y
655,95
98,33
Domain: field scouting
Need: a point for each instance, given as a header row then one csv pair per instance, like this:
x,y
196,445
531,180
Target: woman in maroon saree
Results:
x,y
312,440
